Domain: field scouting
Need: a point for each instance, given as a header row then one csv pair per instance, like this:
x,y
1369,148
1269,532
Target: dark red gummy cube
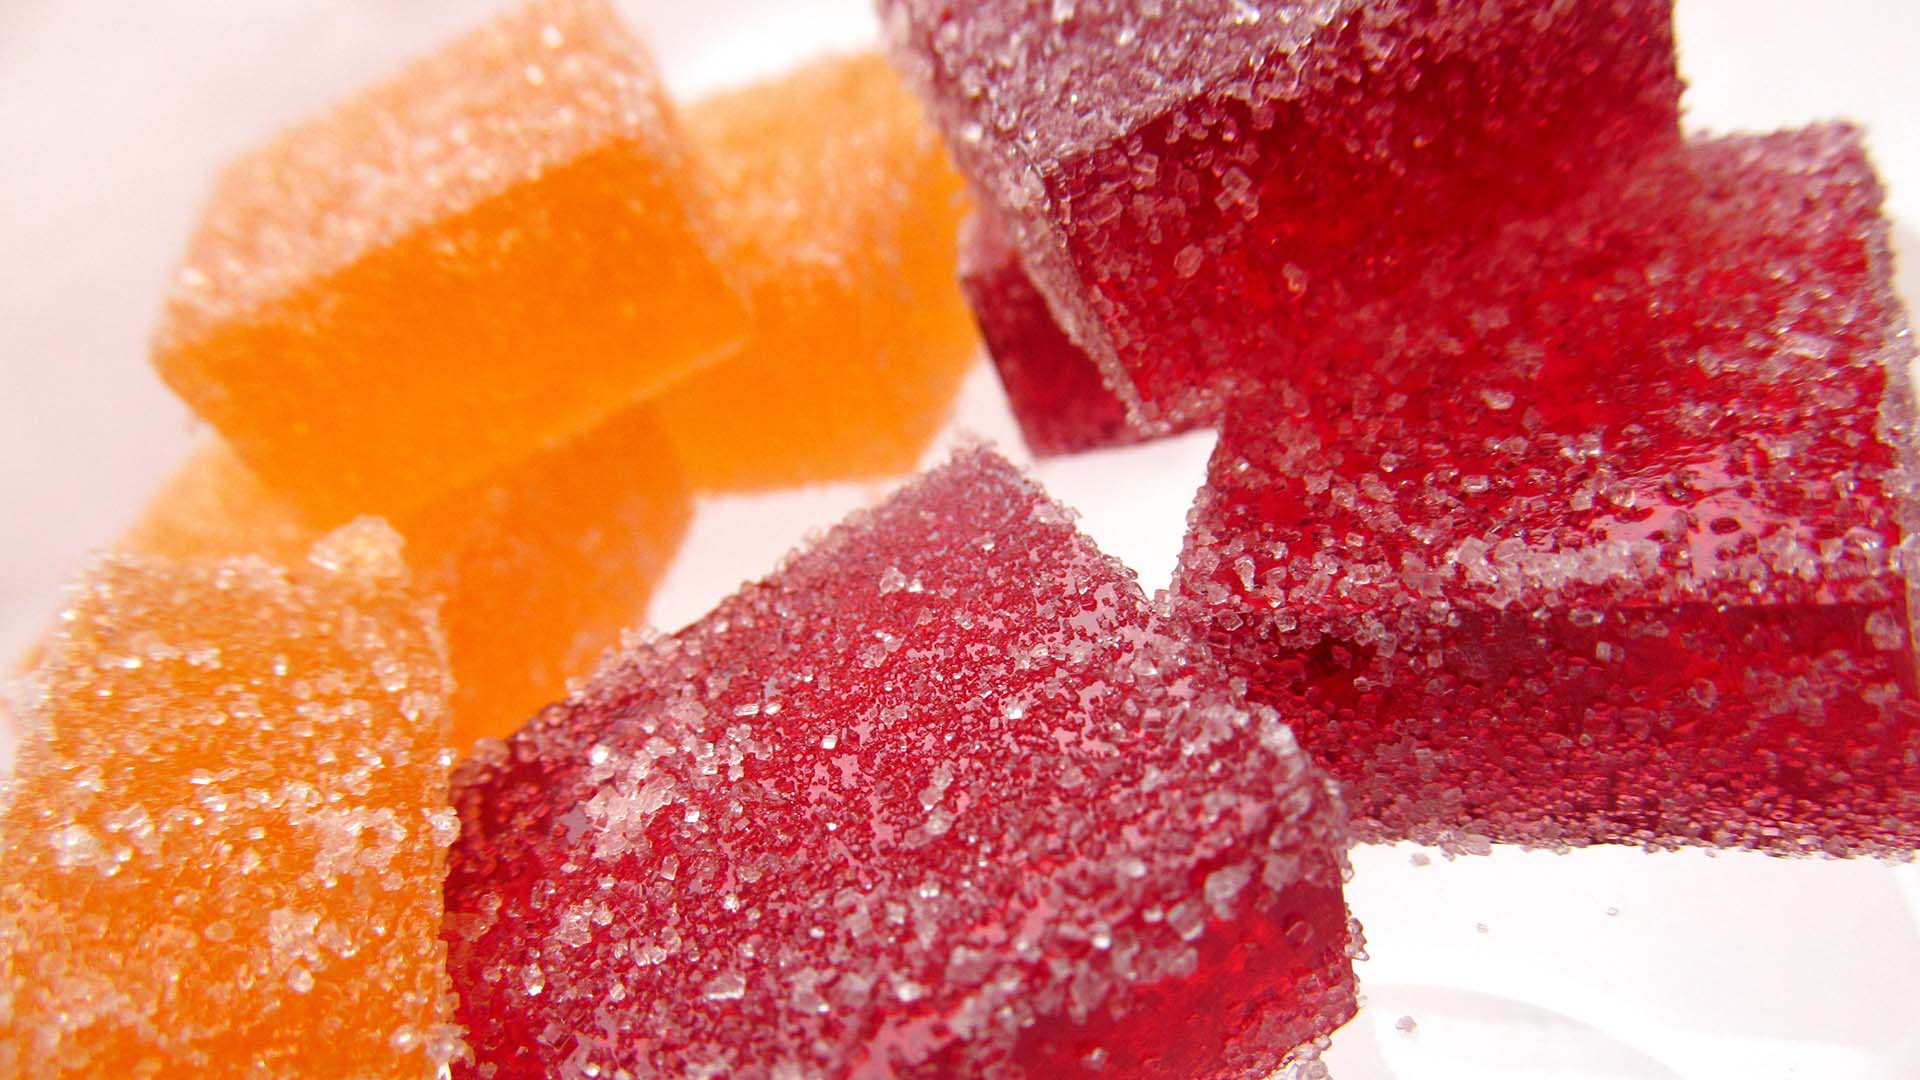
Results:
x,y
938,798
1599,534
1196,184
1056,390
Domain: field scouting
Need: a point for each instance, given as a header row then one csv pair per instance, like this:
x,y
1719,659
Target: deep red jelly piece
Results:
x,y
1055,389
1598,534
1196,184
938,798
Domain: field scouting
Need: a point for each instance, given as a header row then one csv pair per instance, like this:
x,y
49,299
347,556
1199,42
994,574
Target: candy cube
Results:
x,y
1195,185
1597,535
502,247
839,208
228,825
1055,389
938,798
214,507
541,565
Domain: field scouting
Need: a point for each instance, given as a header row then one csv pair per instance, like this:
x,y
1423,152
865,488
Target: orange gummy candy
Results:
x,y
840,210
503,246
541,564
228,826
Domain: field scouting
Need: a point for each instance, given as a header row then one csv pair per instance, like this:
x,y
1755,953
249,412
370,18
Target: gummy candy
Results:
x,y
214,507
840,210
1597,534
228,825
938,798
1196,184
502,247
541,564
1054,388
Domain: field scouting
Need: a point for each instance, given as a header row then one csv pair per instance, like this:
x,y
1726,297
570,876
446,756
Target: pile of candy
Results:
x,y
1563,496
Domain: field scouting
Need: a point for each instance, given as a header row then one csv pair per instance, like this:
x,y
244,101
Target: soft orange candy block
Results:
x,y
541,565
840,210
502,246
228,827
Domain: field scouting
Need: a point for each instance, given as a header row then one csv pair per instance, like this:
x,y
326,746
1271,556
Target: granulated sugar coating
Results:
x,y
513,215
539,566
228,826
935,799
1596,534
1195,184
839,210
1053,386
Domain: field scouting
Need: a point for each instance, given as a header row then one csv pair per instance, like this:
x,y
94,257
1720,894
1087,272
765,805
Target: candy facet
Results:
x,y
1055,389
1602,532
502,247
228,826
541,565
938,798
1196,184
839,208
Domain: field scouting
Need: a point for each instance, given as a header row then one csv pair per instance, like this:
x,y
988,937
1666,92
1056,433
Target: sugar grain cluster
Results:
x,y
940,797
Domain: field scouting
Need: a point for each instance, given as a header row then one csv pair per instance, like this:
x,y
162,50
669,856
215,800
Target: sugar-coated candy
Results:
x,y
838,207
540,565
1603,532
938,798
1195,184
503,246
1055,389
214,507
228,825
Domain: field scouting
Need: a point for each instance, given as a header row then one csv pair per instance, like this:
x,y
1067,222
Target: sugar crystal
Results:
x,y
1661,597
876,890
1194,185
839,210
539,565
231,868
535,251
1056,389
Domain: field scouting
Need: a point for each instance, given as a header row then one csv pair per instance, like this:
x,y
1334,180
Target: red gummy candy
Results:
x,y
1055,389
1196,184
1596,534
938,798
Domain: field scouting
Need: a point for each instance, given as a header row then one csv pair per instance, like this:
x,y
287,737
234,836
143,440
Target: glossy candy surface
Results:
x,y
1600,533
838,210
937,798
502,247
1195,185
228,825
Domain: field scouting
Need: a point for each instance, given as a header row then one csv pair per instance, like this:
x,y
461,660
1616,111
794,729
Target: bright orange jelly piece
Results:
x,y
541,564
502,246
228,828
840,210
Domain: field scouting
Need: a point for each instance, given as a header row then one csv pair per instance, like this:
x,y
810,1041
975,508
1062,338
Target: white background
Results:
x,y
1610,963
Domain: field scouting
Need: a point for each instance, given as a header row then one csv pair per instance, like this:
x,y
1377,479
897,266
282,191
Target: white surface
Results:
x,y
114,115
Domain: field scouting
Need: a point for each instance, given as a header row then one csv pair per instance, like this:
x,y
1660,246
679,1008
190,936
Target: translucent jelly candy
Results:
x,y
1195,184
228,825
1595,535
840,210
215,507
541,564
936,799
1054,387
497,249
